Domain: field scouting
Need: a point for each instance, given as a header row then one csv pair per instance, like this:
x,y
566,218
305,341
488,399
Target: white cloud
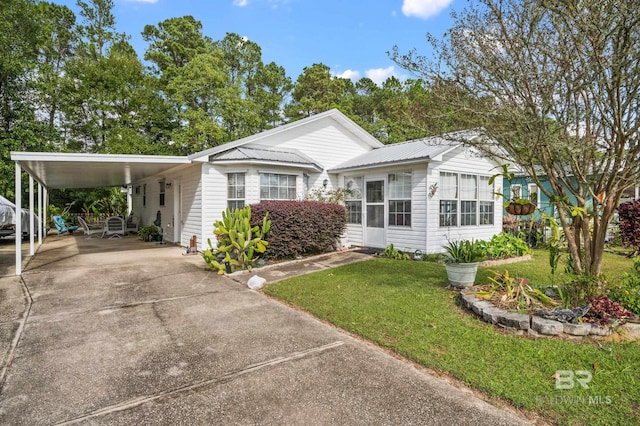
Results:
x,y
240,3
424,8
379,75
350,74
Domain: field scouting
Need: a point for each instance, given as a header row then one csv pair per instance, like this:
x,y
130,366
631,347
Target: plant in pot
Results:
x,y
516,206
148,233
462,262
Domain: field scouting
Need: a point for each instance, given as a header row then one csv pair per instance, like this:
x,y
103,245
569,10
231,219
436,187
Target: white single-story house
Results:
x,y
415,195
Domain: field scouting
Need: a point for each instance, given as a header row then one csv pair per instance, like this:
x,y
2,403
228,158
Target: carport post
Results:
x,y
40,196
19,221
31,221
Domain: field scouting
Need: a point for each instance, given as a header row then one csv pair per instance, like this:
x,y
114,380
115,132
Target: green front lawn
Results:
x,y
403,305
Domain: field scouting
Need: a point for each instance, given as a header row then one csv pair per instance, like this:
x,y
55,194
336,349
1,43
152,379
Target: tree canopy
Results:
x,y
76,84
556,85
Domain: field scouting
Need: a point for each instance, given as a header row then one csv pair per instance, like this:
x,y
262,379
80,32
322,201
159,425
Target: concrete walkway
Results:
x,y
125,332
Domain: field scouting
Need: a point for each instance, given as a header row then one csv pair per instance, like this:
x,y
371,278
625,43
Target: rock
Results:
x,y
577,329
546,326
565,315
630,331
256,282
493,315
514,320
599,331
468,300
479,306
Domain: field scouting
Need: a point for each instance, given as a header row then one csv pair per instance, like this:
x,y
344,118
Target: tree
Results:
x,y
556,84
316,90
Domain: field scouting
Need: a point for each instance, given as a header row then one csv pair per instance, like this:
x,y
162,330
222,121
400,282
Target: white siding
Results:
x,y
459,161
192,205
425,234
411,238
324,141
214,201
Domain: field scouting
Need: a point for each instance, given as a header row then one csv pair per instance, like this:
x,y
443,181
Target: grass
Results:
x,y
404,306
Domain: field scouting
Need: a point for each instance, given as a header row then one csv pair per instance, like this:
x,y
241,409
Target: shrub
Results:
x,y
301,227
603,311
628,292
239,242
629,224
503,246
393,253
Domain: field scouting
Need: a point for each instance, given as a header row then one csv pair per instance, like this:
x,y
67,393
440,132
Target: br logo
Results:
x,y
566,379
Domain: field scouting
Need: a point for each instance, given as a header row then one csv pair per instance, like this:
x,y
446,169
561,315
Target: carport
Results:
x,y
76,171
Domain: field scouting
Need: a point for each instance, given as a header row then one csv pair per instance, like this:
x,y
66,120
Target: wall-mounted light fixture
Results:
x,y
167,185
325,183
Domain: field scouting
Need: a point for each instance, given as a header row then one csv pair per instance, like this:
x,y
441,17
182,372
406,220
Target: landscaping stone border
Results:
x,y
505,261
525,323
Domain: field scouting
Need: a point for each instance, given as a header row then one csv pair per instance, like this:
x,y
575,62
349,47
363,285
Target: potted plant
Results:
x,y
148,233
516,206
462,262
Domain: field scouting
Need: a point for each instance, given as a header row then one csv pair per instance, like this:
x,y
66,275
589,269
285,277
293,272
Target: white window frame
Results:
x,y
399,195
532,188
279,186
353,199
236,194
453,199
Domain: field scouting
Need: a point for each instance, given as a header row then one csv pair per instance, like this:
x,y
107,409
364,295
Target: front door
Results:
x,y
374,221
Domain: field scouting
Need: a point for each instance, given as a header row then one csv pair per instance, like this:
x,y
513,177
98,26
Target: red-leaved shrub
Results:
x,y
629,224
300,227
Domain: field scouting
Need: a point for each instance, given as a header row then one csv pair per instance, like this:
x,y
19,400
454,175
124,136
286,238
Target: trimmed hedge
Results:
x,y
300,227
629,224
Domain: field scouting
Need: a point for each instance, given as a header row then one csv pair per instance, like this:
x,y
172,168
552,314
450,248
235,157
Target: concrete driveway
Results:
x,y
126,332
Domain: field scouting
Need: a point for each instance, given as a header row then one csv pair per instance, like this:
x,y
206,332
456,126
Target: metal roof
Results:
x,y
266,155
419,150
75,170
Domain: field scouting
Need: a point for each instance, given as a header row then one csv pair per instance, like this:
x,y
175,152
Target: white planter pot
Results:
x,y
462,274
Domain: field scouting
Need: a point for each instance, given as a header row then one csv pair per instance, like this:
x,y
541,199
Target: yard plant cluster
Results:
x,y
274,230
405,306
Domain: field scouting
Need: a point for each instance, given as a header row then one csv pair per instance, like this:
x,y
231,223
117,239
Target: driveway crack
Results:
x,y
18,334
137,401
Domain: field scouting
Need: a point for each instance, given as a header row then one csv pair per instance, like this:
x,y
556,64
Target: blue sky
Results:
x,y
350,36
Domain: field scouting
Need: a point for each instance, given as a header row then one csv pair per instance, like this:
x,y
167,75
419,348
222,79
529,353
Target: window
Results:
x,y
235,191
162,191
448,199
533,193
466,200
516,191
353,199
277,187
485,195
144,195
400,199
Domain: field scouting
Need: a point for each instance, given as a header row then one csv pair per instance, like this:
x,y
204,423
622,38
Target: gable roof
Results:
x,y
332,114
265,155
415,151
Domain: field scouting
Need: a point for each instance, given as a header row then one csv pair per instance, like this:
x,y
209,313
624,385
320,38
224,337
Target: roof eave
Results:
x,y
384,164
314,167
